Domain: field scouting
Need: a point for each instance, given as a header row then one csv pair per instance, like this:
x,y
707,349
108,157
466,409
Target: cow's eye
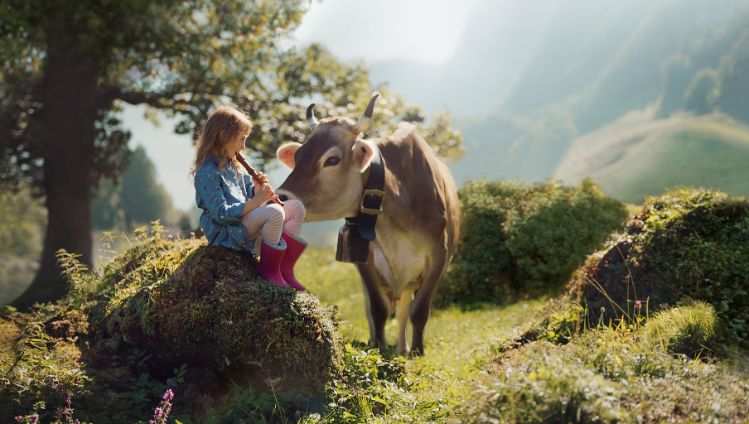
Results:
x,y
332,161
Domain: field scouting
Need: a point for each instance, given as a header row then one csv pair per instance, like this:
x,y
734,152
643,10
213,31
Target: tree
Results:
x,y
69,65
138,199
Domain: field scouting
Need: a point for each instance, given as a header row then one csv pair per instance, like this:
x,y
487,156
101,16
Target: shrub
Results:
x,y
518,237
36,369
685,244
688,329
366,387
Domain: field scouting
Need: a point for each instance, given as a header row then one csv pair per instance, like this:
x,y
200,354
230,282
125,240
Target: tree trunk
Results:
x,y
69,115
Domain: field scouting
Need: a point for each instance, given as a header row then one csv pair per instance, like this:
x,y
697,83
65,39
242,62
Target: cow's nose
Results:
x,y
283,197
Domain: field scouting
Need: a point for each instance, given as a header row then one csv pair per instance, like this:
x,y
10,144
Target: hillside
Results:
x,y
637,155
525,81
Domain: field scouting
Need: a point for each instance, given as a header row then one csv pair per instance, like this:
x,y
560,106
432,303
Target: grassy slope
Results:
x,y
467,374
637,156
459,344
464,376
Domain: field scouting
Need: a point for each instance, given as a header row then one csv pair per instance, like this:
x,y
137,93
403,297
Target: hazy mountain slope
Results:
x,y
734,79
581,40
528,79
498,42
603,59
636,75
636,155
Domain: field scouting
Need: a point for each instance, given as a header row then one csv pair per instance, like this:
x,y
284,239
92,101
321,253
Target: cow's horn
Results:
x,y
366,118
311,115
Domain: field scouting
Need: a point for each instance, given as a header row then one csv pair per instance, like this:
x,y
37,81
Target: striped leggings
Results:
x,y
269,221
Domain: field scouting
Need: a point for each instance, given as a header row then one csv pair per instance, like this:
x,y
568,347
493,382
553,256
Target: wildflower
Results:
x,y
28,419
161,413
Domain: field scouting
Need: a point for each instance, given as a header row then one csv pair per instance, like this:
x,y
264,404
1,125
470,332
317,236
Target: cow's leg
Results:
x,y
422,304
376,303
402,312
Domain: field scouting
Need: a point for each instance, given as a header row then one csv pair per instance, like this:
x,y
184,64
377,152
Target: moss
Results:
x,y
184,301
686,244
608,375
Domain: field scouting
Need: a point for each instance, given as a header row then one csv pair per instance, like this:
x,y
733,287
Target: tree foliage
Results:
x,y
69,66
179,57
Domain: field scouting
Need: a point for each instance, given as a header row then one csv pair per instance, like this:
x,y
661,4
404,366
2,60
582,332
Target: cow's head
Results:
x,y
328,168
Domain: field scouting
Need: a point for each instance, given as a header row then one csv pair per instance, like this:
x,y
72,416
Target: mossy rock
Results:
x,y
685,244
186,302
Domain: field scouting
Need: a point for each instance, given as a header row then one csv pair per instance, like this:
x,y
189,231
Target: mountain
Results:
x,y
497,44
641,154
527,80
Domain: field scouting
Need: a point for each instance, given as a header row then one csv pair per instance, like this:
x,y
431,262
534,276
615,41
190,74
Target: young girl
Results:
x,y
235,212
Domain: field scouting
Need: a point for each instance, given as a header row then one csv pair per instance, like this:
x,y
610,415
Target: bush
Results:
x,y
688,329
366,388
517,237
686,244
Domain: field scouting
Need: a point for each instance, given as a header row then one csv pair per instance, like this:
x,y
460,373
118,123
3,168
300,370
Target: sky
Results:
x,y
352,30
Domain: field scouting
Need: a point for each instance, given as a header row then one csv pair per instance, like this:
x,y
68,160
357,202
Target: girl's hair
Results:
x,y
224,125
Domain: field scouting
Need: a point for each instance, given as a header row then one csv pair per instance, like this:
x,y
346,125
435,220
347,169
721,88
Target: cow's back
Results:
x,y
424,191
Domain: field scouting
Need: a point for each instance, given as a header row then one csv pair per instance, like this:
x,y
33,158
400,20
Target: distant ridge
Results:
x,y
636,156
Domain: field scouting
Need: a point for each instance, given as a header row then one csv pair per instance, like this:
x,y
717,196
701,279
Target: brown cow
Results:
x,y
417,230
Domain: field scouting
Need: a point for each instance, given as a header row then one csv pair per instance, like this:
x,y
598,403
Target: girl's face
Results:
x,y
232,147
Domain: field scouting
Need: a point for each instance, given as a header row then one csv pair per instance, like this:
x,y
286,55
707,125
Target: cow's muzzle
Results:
x,y
285,195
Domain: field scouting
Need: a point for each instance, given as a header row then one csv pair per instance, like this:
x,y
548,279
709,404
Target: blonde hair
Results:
x,y
222,126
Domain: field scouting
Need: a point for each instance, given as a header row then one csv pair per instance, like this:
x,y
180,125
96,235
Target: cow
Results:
x,y
416,233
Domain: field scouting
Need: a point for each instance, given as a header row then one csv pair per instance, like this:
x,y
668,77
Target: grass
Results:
x,y
481,365
459,344
611,374
475,370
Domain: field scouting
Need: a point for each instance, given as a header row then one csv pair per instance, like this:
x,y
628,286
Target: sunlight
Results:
x,y
418,30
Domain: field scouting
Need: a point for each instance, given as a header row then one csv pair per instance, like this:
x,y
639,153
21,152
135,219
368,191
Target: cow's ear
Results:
x,y
285,153
363,152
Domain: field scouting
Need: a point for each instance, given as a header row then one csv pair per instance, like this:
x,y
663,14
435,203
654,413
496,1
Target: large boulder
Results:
x,y
186,302
685,244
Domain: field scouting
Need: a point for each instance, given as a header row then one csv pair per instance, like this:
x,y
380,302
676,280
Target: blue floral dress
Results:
x,y
221,194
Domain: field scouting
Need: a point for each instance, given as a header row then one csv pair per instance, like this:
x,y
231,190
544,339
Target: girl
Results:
x,y
235,214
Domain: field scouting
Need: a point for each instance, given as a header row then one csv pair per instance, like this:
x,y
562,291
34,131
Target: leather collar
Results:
x,y
370,205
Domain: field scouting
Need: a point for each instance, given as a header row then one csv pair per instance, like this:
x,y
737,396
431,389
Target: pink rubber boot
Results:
x,y
295,248
270,263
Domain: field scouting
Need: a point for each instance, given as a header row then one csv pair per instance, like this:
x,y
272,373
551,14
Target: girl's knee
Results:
x,y
276,212
295,208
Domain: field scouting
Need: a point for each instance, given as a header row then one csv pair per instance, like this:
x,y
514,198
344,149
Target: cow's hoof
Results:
x,y
417,351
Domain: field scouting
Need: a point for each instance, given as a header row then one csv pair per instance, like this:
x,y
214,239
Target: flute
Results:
x,y
254,175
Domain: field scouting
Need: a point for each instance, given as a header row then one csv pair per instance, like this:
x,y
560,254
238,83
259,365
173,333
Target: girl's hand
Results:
x,y
265,193
262,178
